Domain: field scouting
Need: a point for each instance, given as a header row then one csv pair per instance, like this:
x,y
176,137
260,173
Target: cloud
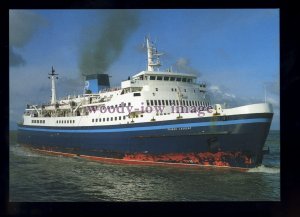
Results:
x,y
23,24
272,87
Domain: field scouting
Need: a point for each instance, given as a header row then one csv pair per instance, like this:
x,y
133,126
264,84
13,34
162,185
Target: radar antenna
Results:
x,y
153,56
53,76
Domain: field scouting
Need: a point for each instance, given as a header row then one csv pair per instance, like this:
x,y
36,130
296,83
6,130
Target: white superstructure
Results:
x,y
150,95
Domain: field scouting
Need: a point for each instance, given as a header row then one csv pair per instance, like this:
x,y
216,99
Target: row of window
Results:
x,y
65,121
107,119
38,121
174,89
177,102
167,78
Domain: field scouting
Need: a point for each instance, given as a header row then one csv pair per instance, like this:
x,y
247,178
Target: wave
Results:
x,y
264,169
21,151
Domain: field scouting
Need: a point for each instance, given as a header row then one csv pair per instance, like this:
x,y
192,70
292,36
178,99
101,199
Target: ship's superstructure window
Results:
x,y
92,120
124,117
111,119
167,102
116,118
159,102
166,78
103,119
189,80
159,78
163,102
175,89
136,94
107,119
119,117
147,102
172,89
151,101
152,77
155,102
156,89
178,79
183,79
96,119
172,79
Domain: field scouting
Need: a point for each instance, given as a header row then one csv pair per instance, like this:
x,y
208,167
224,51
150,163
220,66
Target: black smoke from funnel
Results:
x,y
97,55
23,25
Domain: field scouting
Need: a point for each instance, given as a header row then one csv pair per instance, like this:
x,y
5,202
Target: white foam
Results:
x,y
264,169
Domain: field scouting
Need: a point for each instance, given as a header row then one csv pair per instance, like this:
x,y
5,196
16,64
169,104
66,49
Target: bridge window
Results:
x,y
189,80
183,79
178,79
166,78
152,77
172,79
159,78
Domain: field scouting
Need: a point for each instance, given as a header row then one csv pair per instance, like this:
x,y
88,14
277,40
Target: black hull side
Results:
x,y
235,140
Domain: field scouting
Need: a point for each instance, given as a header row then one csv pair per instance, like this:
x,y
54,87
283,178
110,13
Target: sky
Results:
x,y
235,51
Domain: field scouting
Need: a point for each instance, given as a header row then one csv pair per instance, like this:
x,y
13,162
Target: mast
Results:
x,y
53,90
153,56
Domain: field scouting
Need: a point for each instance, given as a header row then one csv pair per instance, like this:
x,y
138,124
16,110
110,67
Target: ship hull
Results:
x,y
233,141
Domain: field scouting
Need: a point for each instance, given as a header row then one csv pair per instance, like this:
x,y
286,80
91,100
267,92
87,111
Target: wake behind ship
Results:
x,y
159,117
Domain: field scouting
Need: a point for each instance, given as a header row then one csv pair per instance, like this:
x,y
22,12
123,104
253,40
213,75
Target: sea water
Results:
x,y
42,178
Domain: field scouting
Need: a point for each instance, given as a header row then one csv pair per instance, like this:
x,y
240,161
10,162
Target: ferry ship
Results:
x,y
154,117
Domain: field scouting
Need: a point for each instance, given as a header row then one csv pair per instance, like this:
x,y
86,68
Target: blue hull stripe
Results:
x,y
160,127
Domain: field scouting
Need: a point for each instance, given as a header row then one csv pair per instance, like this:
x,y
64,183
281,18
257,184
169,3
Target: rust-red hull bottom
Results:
x,y
201,160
